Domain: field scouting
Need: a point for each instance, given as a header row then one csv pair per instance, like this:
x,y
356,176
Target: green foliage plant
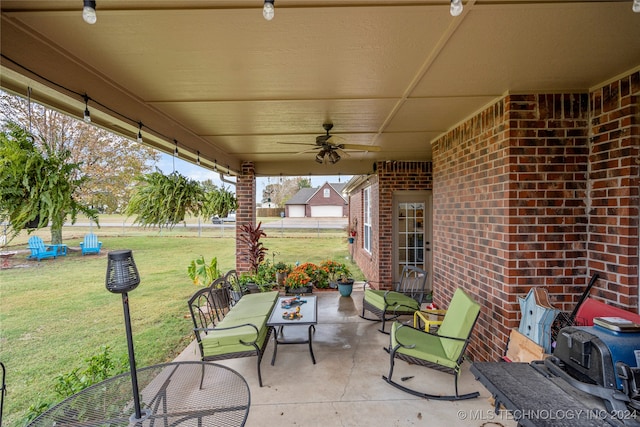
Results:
x,y
219,201
335,271
100,367
164,200
38,185
202,273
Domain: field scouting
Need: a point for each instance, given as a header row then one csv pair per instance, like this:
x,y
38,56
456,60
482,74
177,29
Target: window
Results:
x,y
366,204
327,193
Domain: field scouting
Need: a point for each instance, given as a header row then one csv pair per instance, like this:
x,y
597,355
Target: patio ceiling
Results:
x,y
219,79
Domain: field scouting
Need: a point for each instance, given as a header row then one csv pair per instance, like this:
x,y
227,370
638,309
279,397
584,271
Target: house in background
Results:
x,y
319,202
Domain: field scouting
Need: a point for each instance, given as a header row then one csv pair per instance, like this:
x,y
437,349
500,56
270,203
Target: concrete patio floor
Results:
x,y
345,386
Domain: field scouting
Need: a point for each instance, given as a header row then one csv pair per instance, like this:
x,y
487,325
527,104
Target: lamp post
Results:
x,y
122,277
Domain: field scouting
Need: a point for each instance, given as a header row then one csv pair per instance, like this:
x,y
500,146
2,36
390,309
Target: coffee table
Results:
x,y
309,312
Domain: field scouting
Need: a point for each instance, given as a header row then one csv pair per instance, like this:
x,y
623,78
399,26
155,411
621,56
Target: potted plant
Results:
x,y
333,271
265,276
353,230
345,283
282,270
318,275
298,282
254,251
247,283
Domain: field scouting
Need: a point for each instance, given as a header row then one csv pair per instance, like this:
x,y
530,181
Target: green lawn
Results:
x,y
55,314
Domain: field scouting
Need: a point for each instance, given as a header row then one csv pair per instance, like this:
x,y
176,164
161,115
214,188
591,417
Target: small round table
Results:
x,y
178,393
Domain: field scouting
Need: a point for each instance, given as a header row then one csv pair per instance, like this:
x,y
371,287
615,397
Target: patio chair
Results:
x,y
40,250
90,244
442,350
405,298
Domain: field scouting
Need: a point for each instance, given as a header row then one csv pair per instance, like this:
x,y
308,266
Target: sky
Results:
x,y
167,163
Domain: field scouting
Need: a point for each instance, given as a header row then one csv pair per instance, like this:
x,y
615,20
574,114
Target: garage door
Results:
x,y
326,211
296,211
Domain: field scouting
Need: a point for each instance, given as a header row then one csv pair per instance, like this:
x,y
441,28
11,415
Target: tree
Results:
x,y
110,160
279,193
37,184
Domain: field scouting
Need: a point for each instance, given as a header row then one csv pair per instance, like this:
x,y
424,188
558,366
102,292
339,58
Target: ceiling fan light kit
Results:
x,y
329,150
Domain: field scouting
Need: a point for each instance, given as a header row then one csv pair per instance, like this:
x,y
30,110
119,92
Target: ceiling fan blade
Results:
x,y
334,139
309,150
343,153
295,143
359,147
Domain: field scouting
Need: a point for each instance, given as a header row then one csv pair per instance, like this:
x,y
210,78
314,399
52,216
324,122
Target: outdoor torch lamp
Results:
x,y
122,277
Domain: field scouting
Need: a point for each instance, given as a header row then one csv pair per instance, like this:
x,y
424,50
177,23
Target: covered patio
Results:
x,y
521,117
345,386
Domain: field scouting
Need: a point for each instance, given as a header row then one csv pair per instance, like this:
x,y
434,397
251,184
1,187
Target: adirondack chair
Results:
x,y
40,250
90,245
405,298
442,350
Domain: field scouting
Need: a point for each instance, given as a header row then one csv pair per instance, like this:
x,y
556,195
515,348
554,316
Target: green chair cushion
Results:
x,y
377,299
427,347
458,322
218,341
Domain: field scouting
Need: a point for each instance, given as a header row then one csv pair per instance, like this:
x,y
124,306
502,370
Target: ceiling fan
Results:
x,y
329,150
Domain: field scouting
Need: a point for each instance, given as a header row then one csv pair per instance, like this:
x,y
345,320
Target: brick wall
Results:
x,y
394,177
509,209
246,213
367,262
613,186
539,190
390,178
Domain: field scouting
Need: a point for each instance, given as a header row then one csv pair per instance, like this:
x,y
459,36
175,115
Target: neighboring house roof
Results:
x,y
338,186
303,196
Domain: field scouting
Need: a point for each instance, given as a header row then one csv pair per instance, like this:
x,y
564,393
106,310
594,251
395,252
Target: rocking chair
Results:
x,y
442,350
405,298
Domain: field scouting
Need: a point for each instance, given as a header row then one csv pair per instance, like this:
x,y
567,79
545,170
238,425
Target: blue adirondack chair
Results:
x,y
40,250
90,245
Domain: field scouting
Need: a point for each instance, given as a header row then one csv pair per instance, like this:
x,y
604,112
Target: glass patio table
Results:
x,y
171,394
308,316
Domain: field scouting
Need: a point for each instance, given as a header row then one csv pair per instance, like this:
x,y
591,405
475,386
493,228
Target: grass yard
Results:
x,y
55,314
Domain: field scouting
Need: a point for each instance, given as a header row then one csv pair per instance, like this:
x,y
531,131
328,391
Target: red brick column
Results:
x,y
246,213
510,209
614,195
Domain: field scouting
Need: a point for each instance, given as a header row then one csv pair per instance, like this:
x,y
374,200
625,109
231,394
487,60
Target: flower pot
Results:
x,y
252,288
345,288
236,295
221,298
280,278
351,239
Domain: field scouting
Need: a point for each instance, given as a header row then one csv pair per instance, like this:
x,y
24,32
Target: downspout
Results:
x,y
223,179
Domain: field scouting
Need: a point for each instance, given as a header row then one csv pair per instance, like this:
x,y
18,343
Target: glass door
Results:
x,y
412,243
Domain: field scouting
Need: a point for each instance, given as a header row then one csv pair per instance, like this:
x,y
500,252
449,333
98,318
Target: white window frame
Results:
x,y
327,193
366,220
